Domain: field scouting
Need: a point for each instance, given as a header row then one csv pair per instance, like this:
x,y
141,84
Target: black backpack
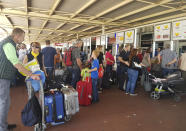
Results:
x,y
32,113
67,77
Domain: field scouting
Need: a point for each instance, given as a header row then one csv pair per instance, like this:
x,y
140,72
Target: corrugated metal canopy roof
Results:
x,y
61,20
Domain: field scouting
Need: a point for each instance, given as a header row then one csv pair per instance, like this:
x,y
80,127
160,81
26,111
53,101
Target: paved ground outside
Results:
x,y
116,111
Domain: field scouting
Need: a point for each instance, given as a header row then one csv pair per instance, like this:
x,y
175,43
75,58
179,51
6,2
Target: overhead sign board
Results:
x,y
162,32
179,30
119,37
98,40
129,36
88,41
60,44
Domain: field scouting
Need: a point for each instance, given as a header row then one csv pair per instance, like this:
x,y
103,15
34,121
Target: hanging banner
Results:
x,y
88,41
129,36
162,32
98,40
103,40
179,30
60,44
120,37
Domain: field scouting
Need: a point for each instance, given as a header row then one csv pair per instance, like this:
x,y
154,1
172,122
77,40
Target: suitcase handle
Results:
x,y
82,92
64,86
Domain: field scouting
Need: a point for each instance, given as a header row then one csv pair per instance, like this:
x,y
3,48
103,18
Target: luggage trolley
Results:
x,y
69,110
40,126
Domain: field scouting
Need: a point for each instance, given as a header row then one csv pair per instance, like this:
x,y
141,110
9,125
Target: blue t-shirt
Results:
x,y
95,64
49,53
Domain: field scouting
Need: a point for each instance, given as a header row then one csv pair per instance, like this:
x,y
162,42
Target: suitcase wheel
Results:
x,y
67,118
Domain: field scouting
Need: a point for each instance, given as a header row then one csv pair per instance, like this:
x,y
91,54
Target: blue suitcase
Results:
x,y
54,108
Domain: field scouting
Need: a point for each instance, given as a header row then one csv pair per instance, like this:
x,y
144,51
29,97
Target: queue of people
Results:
x,y
50,59
166,60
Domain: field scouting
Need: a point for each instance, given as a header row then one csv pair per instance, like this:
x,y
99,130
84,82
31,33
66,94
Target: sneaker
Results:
x,y
133,94
126,93
11,126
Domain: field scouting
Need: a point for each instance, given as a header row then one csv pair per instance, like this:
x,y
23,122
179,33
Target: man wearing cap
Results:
x,y
8,67
76,62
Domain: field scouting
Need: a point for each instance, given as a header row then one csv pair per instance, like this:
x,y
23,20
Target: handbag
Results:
x,y
100,72
135,65
32,113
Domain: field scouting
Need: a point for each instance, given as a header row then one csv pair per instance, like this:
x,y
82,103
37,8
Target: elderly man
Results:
x,y
9,63
169,59
76,62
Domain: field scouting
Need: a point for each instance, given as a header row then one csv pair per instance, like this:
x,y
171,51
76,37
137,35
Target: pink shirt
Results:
x,y
109,56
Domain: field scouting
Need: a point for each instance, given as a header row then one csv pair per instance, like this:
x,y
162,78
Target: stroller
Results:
x,y
172,85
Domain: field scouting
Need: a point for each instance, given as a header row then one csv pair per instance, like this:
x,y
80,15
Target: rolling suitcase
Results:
x,y
84,90
54,108
71,103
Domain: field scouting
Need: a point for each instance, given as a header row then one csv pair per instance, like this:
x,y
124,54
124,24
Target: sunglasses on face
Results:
x,y
36,47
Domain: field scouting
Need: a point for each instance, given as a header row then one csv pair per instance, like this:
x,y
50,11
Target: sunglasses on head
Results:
x,y
36,47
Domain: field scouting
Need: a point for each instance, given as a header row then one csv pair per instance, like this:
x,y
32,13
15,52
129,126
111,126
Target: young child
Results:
x,y
94,75
85,72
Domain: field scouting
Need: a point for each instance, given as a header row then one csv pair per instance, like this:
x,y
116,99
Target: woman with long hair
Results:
x,y
132,72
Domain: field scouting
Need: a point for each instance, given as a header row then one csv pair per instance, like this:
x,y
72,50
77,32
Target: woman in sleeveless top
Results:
x,y
35,54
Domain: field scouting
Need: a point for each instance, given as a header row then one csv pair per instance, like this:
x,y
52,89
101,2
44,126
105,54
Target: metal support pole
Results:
x,y
135,38
172,45
106,41
153,48
90,45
